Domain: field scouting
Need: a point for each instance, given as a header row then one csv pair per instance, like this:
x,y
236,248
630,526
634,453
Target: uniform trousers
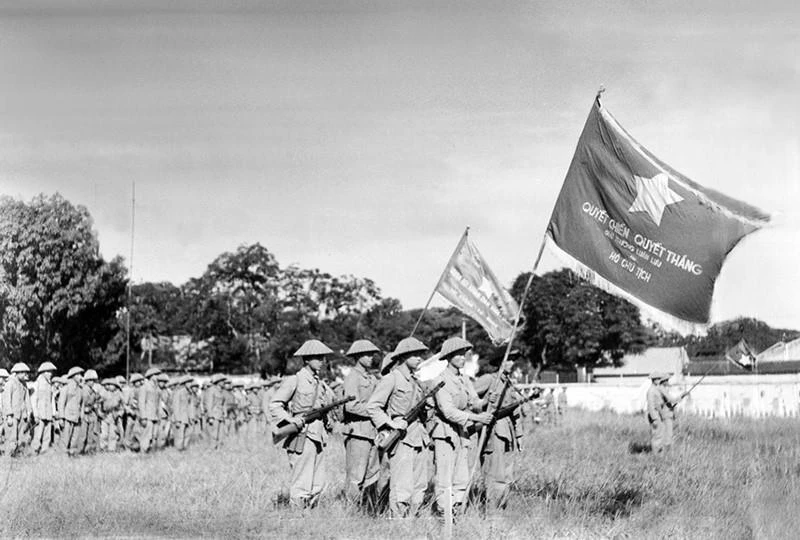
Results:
x,y
147,435
13,432
215,430
361,464
409,479
179,435
42,435
71,437
498,463
657,430
451,459
108,434
308,474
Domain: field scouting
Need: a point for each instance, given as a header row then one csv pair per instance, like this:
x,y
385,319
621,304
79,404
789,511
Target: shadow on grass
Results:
x,y
636,447
616,500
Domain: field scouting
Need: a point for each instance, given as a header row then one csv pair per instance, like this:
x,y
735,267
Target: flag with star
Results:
x,y
471,286
633,226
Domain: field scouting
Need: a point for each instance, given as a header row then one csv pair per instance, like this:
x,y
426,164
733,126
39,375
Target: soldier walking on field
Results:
x,y
43,412
296,395
362,465
457,406
394,396
16,407
71,411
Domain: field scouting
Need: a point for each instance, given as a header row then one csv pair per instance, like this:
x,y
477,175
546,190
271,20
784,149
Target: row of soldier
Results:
x,y
81,414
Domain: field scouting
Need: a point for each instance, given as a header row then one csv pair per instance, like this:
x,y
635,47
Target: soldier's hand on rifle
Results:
x,y
299,421
398,423
482,418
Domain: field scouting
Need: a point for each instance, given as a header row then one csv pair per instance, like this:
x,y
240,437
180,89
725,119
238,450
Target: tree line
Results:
x,y
61,301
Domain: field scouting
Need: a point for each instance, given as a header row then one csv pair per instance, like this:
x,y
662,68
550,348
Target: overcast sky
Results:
x,y
362,137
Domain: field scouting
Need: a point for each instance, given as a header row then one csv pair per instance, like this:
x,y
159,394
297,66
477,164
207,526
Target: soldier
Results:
x,y
70,411
43,412
296,395
193,429
361,456
16,407
457,404
658,412
148,401
503,441
180,412
669,405
395,394
214,405
130,400
266,392
88,436
58,385
229,407
164,427
255,414
111,409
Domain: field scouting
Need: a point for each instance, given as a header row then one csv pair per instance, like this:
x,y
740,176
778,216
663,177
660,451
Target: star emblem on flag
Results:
x,y
653,195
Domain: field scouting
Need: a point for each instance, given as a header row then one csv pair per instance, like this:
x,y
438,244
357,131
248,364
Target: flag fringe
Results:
x,y
667,321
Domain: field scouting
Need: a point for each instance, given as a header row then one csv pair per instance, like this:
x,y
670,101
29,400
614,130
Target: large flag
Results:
x,y
742,355
635,227
470,285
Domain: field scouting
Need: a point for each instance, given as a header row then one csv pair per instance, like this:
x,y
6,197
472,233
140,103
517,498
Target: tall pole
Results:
x,y
130,285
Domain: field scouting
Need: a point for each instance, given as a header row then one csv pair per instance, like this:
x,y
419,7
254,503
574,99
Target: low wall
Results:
x,y
723,396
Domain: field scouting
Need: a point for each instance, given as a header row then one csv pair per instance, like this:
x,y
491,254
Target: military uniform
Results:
x,y
16,409
503,441
180,414
214,405
111,409
361,455
296,395
393,397
71,411
659,414
43,413
149,413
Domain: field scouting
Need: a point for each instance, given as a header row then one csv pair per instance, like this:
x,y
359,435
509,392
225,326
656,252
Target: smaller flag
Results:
x,y
470,285
742,355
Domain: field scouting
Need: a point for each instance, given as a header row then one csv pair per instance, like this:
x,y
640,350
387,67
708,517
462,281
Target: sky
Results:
x,y
362,137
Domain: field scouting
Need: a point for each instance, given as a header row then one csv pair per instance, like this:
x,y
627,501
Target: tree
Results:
x,y
570,323
58,297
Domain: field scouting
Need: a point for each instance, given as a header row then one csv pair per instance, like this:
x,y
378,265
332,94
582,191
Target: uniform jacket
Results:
x,y
71,401
254,404
393,397
657,409
111,404
490,386
180,405
148,401
359,384
214,403
454,401
300,393
43,399
16,401
91,401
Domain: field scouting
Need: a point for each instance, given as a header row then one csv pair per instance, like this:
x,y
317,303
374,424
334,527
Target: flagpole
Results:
x,y
130,285
444,273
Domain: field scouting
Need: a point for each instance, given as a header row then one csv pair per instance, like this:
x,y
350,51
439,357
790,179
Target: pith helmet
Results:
x,y
59,380
46,366
151,372
658,375
409,345
362,346
4,373
75,370
313,347
454,346
136,377
20,367
217,377
112,382
90,375
187,379
120,379
162,377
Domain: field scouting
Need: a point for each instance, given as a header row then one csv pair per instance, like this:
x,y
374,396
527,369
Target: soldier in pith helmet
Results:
x,y
148,409
296,395
394,396
43,412
361,456
16,407
70,409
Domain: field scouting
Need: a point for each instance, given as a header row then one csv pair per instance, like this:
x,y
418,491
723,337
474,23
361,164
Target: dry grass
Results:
x,y
584,479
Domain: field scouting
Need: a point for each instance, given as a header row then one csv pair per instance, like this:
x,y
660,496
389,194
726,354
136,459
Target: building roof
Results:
x,y
669,359
781,352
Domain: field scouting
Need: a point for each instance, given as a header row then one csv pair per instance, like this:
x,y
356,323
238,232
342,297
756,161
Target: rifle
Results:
x,y
388,439
286,429
508,410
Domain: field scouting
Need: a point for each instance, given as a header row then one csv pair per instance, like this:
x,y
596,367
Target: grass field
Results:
x,y
586,478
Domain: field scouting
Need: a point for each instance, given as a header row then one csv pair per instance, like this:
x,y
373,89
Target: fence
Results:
x,y
723,396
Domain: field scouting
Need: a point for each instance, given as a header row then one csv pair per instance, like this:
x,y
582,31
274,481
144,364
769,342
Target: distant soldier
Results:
x,y
180,412
88,436
296,395
659,413
57,386
43,409
164,428
229,401
195,412
110,412
503,441
255,413
16,407
149,413
361,456
268,388
71,412
457,406
395,394
214,404
130,400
